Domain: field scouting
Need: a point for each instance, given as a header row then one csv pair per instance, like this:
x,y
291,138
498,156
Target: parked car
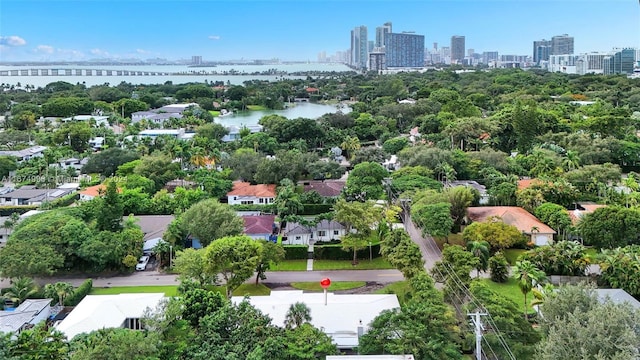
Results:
x,y
142,263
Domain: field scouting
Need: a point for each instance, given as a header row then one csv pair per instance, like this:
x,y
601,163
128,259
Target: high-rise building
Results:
x,y
381,34
541,51
489,56
196,60
377,61
359,47
561,45
405,50
620,62
457,49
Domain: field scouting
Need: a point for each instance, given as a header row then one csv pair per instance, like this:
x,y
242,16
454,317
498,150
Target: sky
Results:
x,y
52,30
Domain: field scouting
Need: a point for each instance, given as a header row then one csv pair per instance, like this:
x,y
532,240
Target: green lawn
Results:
x,y
400,288
513,254
290,265
214,113
171,290
256,107
335,286
377,263
511,291
246,289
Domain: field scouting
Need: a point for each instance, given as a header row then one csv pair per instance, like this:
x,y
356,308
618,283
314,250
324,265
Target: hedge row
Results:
x,y
79,293
329,252
316,209
295,252
20,209
62,202
335,252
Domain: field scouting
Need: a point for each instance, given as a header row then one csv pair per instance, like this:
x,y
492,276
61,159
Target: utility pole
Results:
x,y
475,317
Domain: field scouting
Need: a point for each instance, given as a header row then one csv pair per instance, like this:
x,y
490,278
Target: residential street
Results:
x,y
142,278
428,247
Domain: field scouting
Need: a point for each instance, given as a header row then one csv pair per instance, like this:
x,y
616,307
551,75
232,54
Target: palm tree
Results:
x,y
61,290
350,145
287,201
528,276
480,249
20,290
540,294
298,314
572,160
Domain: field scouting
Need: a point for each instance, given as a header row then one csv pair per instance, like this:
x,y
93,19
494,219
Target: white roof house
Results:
x,y
344,318
108,311
30,312
99,119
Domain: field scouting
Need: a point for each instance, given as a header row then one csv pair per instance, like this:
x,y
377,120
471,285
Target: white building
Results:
x,y
243,193
25,316
325,230
25,154
563,63
100,120
97,312
344,317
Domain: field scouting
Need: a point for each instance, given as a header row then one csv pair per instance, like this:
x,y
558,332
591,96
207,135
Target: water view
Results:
x,y
178,74
297,110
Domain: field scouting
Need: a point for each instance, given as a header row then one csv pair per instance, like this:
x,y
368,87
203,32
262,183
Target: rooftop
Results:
x,y
241,188
106,311
326,188
257,225
153,226
24,152
12,321
511,215
339,318
617,296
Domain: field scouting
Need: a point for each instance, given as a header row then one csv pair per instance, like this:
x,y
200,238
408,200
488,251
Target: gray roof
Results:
x,y
25,152
469,183
12,321
617,296
36,305
36,194
153,226
294,228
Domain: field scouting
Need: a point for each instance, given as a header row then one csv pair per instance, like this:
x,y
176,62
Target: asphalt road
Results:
x,y
150,278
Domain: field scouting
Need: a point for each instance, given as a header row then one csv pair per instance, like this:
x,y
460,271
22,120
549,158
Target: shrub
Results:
x,y
295,252
20,209
499,267
336,252
79,293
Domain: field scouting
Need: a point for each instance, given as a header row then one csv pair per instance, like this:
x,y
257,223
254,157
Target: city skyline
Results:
x,y
34,30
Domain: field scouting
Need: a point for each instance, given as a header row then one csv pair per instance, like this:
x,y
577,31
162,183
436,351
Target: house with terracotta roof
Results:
x,y
529,225
243,193
581,210
527,183
92,192
259,227
326,188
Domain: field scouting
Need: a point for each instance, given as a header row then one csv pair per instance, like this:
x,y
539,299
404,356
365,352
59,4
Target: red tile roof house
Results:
x,y
259,227
92,192
326,188
243,193
539,233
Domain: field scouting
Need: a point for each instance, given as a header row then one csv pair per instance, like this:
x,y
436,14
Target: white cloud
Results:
x,y
142,51
12,40
44,49
71,54
99,52
214,37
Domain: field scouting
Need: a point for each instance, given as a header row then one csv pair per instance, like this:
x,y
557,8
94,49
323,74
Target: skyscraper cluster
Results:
x,y
389,50
558,45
